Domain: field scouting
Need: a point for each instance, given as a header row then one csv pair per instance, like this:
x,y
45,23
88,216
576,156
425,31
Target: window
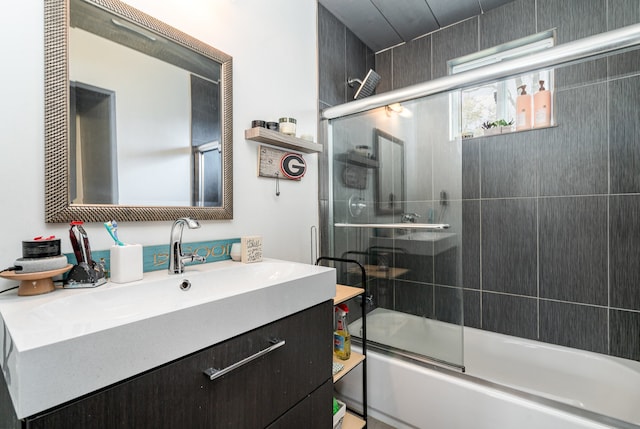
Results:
x,y
471,107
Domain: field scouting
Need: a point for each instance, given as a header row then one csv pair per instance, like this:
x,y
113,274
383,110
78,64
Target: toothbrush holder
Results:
x,y
126,263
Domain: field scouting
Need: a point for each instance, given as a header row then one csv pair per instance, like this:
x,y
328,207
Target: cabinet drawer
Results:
x,y
313,412
253,395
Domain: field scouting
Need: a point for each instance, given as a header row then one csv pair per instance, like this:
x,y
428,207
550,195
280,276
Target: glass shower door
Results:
x,y
396,208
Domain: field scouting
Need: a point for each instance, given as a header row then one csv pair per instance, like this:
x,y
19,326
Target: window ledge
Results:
x,y
507,132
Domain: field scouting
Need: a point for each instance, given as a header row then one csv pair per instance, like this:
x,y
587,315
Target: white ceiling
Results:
x,y
381,24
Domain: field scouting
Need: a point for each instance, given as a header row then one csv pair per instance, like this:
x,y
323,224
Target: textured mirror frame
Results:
x,y
56,102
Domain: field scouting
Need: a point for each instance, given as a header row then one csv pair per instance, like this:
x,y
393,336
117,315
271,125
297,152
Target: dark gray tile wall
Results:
x,y
624,340
341,55
573,249
575,19
621,13
414,298
624,242
471,304
412,62
508,246
448,304
510,314
573,156
550,217
471,244
583,326
471,168
331,55
453,42
510,22
624,116
508,166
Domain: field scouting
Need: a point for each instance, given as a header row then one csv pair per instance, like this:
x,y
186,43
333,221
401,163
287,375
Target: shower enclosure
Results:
x,y
395,204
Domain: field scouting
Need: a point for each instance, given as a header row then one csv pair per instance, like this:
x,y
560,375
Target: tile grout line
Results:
x,y
481,285
608,220
538,186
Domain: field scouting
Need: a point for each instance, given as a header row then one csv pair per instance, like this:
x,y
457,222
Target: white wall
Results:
x,y
153,117
273,45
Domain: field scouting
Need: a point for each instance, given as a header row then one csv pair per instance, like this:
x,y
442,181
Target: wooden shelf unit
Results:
x,y
349,364
375,271
345,293
351,421
276,138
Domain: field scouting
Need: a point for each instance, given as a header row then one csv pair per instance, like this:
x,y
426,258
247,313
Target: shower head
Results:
x,y
367,86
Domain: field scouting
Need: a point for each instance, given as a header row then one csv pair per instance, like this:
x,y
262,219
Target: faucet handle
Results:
x,y
192,257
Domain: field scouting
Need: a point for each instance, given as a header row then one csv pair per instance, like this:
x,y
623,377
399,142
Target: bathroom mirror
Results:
x,y
138,118
390,194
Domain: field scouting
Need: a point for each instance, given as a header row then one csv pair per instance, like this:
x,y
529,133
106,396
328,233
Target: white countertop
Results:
x,y
67,343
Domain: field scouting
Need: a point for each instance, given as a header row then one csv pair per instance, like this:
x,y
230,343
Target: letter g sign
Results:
x,y
293,166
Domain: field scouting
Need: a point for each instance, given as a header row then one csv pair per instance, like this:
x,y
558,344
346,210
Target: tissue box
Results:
x,y
126,263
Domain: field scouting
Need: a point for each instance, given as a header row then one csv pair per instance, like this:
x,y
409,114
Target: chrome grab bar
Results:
x,y
427,226
214,373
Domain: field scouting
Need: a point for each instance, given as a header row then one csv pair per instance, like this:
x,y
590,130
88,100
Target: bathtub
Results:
x,y
508,382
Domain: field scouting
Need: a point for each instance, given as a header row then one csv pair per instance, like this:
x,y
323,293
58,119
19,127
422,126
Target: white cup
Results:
x,y
235,252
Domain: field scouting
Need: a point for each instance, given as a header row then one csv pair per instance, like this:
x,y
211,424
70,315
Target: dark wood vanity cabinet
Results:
x,y
285,388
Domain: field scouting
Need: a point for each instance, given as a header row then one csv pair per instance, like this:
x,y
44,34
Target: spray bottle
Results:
x,y
341,337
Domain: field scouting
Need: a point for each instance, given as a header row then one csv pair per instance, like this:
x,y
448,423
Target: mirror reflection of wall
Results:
x,y
152,117
205,143
390,174
92,145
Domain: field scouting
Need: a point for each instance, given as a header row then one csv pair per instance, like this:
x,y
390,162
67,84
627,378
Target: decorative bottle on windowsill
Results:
x,y
542,107
523,109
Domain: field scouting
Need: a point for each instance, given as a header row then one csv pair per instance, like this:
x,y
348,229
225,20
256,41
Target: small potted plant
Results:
x,y
497,127
490,128
505,127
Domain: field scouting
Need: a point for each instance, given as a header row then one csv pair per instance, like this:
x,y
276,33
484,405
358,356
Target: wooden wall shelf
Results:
x,y
356,159
279,139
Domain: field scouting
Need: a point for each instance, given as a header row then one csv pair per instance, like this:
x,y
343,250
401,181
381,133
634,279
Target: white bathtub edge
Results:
x,y
485,403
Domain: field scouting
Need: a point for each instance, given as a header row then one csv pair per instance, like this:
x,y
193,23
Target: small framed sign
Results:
x,y
251,249
293,166
277,163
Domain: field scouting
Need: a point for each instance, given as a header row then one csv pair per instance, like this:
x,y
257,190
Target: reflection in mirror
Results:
x,y
147,135
390,192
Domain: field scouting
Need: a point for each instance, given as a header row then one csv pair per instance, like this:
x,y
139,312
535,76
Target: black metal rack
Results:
x,y
363,294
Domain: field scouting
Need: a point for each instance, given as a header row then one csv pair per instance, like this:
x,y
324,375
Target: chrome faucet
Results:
x,y
176,257
408,218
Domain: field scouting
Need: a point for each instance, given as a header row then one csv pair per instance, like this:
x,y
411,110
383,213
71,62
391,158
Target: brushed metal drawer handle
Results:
x,y
214,373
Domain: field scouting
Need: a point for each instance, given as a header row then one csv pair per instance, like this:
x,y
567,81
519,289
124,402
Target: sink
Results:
x,y
70,342
426,243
